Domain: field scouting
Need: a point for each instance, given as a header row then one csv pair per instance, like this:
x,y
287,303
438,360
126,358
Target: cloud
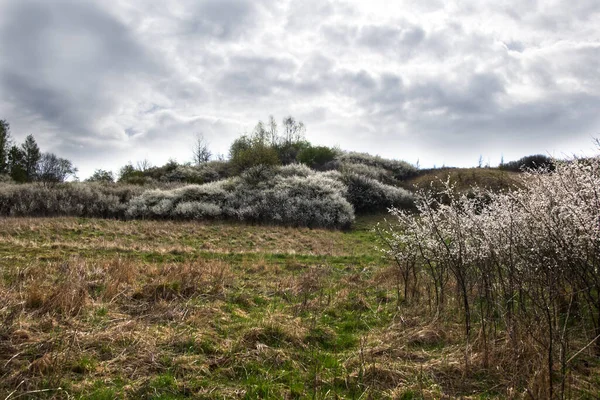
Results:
x,y
66,63
106,83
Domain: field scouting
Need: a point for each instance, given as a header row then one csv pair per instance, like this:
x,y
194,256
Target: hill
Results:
x,y
494,179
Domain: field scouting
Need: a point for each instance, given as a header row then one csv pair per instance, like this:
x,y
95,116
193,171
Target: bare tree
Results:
x,y
272,130
144,165
201,152
293,131
52,169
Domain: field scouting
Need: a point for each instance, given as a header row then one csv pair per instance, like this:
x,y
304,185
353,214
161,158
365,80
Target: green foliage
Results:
x,y
31,158
16,162
288,152
533,162
5,143
101,175
247,152
316,156
129,174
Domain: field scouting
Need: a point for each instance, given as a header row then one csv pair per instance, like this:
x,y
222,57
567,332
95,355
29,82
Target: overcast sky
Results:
x,y
443,82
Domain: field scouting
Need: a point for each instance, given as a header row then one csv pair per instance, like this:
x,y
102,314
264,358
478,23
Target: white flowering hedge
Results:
x,y
296,197
523,267
396,169
293,195
73,199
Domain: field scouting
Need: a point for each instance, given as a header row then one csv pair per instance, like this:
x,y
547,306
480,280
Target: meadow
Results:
x,y
103,309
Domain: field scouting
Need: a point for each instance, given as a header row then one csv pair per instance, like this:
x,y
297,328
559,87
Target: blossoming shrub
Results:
x,y
293,195
522,266
289,199
207,172
400,170
368,194
74,199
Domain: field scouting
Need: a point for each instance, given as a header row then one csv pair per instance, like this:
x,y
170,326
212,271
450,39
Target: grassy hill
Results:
x,y
465,178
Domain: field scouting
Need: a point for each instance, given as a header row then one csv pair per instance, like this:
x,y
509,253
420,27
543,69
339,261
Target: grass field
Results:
x,y
102,309
465,178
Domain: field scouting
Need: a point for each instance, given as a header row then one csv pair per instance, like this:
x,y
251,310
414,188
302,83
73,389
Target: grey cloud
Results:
x,y
400,38
256,76
340,35
222,19
66,62
311,14
136,77
403,39
474,94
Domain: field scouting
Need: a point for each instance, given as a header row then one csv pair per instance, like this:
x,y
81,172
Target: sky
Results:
x,y
103,83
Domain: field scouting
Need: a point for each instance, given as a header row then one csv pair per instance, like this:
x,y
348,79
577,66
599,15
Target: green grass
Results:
x,y
163,310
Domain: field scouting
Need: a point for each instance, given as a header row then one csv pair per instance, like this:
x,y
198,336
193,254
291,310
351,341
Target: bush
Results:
x,y
294,200
400,170
247,152
316,156
70,199
288,152
368,194
523,266
294,170
367,171
207,172
129,175
5,178
534,162
101,175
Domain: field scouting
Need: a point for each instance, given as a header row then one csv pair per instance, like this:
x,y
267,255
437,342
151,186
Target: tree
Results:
x,y
5,144
31,157
101,175
316,156
247,152
201,152
144,165
52,169
16,165
272,131
293,131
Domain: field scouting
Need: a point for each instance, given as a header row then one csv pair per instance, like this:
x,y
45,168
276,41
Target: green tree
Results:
x,y
247,152
5,144
31,157
101,175
16,164
316,157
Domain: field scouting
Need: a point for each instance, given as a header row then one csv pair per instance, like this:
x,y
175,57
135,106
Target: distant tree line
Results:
x,y
26,163
533,162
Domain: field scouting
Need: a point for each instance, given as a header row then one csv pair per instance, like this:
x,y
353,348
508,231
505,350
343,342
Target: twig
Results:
x,y
12,358
585,347
33,392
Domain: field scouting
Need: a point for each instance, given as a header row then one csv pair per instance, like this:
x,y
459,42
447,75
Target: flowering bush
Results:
x,y
400,170
289,199
524,264
368,194
75,199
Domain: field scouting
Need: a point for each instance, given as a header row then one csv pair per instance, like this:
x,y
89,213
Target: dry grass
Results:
x,y
126,323
466,178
